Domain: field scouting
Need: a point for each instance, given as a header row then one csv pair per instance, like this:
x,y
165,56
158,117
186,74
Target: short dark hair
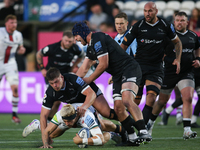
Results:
x,y
10,17
68,34
181,13
122,15
52,73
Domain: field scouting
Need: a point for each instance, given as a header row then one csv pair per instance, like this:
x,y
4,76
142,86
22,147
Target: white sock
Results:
x,y
169,109
194,119
132,136
15,101
187,128
178,115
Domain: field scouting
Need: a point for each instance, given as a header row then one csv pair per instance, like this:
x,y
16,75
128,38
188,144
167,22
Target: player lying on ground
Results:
x,y
68,118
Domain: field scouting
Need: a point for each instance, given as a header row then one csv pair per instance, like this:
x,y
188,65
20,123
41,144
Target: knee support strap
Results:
x,y
130,91
140,93
153,89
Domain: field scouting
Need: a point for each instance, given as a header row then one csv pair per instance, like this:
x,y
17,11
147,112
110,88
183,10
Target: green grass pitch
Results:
x,y
164,137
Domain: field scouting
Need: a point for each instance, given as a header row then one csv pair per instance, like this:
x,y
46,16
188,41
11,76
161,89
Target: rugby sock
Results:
x,y
128,126
169,109
186,122
113,115
147,110
15,101
177,103
140,125
194,119
119,129
153,117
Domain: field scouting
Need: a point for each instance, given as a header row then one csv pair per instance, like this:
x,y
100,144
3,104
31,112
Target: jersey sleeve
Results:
x,y
47,51
171,33
78,51
99,46
20,39
48,101
56,119
78,83
130,36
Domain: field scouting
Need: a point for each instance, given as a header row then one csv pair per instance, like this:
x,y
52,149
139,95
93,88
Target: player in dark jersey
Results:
x,y
70,88
126,77
185,79
60,55
150,33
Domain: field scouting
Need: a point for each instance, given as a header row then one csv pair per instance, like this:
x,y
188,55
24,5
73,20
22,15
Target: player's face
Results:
x,y
150,13
180,23
69,123
121,25
80,39
67,42
11,25
57,83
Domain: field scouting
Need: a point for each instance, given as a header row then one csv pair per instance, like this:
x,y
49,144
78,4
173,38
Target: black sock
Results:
x,y
177,103
122,132
153,117
113,115
186,123
14,114
140,125
128,126
147,110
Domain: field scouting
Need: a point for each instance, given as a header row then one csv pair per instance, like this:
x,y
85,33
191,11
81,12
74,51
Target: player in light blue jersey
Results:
x,y
121,25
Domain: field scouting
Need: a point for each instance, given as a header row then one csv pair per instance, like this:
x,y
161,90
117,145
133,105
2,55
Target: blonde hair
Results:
x,y
67,110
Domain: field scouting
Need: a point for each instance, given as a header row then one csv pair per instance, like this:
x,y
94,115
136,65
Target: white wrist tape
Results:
x,y
85,141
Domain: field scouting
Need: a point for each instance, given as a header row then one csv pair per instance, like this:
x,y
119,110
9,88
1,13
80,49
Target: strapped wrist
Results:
x,y
197,58
41,66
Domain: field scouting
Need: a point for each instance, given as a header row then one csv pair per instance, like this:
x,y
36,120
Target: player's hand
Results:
x,y
21,50
177,63
196,63
46,146
87,80
77,139
44,72
81,111
110,81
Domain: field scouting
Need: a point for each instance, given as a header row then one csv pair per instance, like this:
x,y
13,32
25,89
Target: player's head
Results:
x,y
150,12
121,22
67,40
181,21
80,32
11,23
68,115
55,79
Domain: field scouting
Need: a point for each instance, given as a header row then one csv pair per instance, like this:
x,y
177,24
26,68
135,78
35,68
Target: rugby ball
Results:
x,y
83,133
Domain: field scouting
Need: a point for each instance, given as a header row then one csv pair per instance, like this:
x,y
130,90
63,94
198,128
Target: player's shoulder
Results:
x,y
54,45
164,21
192,33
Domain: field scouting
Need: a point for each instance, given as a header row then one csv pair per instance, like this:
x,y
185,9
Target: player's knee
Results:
x,y
152,89
129,90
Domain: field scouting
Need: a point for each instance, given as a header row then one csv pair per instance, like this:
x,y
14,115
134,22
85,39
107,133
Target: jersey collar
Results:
x,y
182,32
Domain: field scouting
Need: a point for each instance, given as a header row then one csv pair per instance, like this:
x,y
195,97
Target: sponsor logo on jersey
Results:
x,y
172,28
187,50
46,49
143,30
89,121
151,41
125,39
142,40
97,46
80,81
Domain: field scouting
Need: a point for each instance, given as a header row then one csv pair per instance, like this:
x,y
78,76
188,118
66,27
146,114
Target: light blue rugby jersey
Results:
x,y
119,39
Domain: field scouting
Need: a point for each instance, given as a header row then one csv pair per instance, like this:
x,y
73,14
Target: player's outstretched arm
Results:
x,y
178,50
